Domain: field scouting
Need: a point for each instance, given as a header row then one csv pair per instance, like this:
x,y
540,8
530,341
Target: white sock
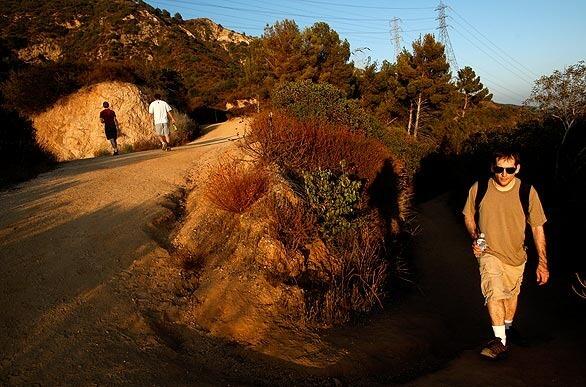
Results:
x,y
499,331
508,324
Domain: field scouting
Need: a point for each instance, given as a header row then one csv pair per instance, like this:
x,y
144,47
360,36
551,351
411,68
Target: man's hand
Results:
x,y
542,273
476,249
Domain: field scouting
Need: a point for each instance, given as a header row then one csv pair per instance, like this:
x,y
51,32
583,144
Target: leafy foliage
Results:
x,y
470,86
333,198
307,100
562,94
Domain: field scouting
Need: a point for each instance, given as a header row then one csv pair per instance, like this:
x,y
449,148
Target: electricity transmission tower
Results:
x,y
396,35
444,37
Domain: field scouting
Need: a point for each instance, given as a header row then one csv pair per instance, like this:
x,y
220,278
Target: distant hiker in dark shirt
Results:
x,y
108,118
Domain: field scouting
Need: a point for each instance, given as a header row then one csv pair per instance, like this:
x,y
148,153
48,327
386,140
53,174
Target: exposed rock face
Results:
x,y
45,51
71,129
212,31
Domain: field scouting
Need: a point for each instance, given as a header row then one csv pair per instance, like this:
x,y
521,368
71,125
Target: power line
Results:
x,y
500,49
491,57
361,6
505,63
263,11
485,77
273,12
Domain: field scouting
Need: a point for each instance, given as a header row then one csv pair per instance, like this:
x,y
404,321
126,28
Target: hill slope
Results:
x,y
206,56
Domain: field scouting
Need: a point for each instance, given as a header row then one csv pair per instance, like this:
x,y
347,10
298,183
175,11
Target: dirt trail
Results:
x,y
79,272
68,238
552,322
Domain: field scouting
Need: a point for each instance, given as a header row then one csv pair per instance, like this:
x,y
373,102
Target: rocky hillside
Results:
x,y
206,56
71,129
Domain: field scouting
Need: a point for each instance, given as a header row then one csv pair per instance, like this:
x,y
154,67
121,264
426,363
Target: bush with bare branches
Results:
x,y
297,145
234,185
358,285
292,224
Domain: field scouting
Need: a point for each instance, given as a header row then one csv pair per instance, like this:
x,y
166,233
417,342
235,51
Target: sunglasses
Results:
x,y
510,170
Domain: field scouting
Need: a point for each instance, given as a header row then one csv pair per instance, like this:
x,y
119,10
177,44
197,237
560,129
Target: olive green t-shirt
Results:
x,y
502,220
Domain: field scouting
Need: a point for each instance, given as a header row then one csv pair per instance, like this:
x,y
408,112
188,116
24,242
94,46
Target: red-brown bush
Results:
x,y
303,145
292,224
234,186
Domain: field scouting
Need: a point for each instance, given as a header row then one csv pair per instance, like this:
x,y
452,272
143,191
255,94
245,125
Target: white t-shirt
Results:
x,y
159,110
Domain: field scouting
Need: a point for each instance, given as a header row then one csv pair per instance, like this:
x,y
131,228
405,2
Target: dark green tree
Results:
x,y
473,90
432,82
406,90
282,54
326,57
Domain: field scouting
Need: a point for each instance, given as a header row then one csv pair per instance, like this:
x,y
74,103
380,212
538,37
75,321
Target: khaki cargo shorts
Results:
x,y
499,281
162,129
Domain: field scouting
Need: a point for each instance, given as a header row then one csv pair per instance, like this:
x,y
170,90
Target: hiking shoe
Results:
x,y
514,337
115,153
164,146
169,148
494,349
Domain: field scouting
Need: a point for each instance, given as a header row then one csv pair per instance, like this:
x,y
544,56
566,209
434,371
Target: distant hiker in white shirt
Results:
x,y
160,111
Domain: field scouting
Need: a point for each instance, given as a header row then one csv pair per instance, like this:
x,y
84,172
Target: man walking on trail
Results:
x,y
161,112
108,118
499,209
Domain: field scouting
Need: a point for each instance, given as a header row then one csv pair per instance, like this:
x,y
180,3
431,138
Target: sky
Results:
x,y
509,44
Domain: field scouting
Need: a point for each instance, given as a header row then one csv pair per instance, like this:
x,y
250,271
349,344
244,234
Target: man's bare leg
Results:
x,y
497,312
510,308
163,143
114,145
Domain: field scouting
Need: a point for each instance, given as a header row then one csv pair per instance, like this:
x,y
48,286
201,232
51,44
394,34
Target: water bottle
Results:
x,y
481,241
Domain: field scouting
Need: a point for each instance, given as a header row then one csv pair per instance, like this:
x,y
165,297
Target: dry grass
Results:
x,y
292,224
302,145
358,287
234,185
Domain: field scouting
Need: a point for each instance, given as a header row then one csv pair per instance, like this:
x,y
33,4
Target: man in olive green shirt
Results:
x,y
502,220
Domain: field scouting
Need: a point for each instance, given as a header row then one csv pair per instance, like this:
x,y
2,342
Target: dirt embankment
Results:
x,y
71,128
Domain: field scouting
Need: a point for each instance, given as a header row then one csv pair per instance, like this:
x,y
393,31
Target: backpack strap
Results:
x,y
524,192
480,192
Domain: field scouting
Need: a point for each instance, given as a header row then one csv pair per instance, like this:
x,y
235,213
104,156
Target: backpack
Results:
x,y
524,191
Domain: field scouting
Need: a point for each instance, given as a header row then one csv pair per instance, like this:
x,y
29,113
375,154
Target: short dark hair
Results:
x,y
105,104
157,96
506,154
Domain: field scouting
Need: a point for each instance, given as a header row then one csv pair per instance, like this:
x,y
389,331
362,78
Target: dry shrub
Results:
x,y
234,186
298,145
145,144
358,286
292,224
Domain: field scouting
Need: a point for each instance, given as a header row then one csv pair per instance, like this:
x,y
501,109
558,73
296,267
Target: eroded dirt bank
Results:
x,y
90,295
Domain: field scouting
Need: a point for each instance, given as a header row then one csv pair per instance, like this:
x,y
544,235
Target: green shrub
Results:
x,y
333,198
322,101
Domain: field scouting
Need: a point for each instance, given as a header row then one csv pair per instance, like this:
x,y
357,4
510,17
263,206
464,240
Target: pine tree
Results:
x,y
432,82
326,56
406,90
469,85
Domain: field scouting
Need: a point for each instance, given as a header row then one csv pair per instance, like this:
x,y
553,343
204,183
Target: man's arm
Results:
x,y
471,227
540,245
171,116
